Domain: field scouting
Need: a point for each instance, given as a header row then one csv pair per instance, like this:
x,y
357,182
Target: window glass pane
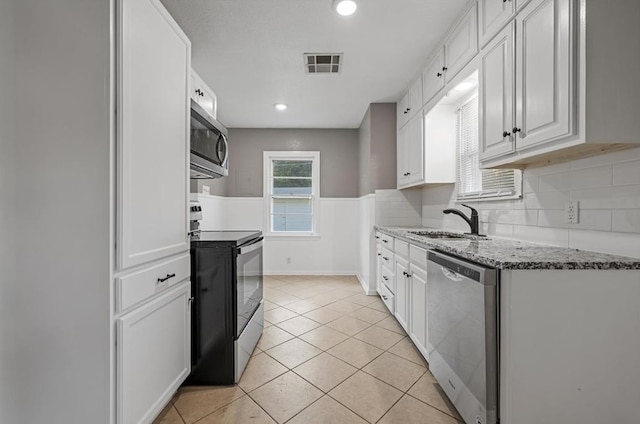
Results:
x,y
300,223
292,168
292,186
292,206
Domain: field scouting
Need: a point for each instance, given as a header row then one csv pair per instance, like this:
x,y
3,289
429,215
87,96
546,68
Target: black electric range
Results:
x,y
227,314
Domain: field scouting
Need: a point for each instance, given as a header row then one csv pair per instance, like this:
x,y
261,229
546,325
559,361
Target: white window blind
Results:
x,y
291,185
474,183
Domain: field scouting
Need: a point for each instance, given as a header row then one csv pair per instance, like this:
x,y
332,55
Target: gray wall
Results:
x,y
338,159
377,150
7,209
55,137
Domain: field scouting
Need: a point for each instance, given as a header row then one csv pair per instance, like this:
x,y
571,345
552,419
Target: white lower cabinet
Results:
x,y
402,292
153,354
418,328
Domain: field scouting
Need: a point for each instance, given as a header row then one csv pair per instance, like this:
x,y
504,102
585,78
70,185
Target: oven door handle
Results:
x,y
251,247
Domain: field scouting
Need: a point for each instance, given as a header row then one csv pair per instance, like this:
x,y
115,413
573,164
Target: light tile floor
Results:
x,y
329,354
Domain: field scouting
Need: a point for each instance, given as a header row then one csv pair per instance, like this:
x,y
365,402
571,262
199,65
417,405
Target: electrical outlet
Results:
x,y
571,212
288,260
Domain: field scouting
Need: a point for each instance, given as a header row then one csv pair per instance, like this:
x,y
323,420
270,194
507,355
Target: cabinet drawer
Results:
x,y
387,297
386,278
386,240
402,248
387,257
418,256
138,286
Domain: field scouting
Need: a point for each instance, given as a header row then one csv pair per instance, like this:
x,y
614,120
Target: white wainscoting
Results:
x,y
335,252
367,269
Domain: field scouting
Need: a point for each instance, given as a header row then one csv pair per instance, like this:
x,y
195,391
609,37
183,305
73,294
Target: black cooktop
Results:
x,y
225,238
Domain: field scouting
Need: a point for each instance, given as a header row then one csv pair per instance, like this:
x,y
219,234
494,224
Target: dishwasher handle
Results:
x,y
453,276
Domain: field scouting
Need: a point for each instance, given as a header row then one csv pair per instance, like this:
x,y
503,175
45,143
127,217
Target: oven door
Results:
x,y
249,282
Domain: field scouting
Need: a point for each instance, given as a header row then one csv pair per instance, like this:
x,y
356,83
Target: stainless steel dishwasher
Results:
x,y
462,337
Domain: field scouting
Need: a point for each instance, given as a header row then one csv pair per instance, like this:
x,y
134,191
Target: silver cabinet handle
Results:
x,y
385,278
385,258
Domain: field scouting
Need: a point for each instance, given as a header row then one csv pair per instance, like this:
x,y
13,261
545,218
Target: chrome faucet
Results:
x,y
473,221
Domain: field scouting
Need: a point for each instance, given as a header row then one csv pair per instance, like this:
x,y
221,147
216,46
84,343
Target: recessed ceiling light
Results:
x,y
280,106
464,86
345,7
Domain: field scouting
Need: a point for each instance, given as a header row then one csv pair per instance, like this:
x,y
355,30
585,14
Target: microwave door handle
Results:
x,y
250,248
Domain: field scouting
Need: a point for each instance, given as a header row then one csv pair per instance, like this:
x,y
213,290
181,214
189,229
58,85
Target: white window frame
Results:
x,y
516,193
268,158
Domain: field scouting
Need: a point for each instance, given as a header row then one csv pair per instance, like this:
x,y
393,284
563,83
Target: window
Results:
x,y
291,192
473,182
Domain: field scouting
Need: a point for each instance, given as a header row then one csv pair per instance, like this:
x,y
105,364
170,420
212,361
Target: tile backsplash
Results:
x,y
607,188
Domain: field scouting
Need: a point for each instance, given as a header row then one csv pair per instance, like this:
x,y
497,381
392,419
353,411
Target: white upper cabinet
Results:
x,y
410,104
402,111
493,15
153,130
203,95
574,87
496,95
415,150
402,156
544,73
433,76
462,45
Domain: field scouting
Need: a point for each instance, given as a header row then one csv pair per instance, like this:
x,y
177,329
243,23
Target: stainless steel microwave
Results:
x,y
209,145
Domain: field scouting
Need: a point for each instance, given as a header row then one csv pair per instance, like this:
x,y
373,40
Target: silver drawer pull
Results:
x,y
385,258
162,280
384,297
385,278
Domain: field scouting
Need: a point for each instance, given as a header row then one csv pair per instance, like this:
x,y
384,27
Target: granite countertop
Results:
x,y
503,253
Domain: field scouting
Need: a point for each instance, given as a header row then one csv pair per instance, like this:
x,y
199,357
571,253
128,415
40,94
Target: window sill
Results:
x,y
285,236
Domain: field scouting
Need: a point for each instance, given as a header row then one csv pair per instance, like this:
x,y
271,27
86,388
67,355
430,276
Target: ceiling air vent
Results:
x,y
323,63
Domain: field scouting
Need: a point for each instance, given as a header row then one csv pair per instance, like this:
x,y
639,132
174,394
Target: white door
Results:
x,y
496,96
462,46
433,77
153,130
419,308
544,72
492,16
153,355
415,137
402,167
402,293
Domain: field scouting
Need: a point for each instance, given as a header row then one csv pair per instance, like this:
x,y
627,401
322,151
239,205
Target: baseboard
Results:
x,y
365,286
314,272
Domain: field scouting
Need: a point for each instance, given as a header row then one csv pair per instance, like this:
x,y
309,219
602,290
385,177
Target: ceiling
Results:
x,y
250,52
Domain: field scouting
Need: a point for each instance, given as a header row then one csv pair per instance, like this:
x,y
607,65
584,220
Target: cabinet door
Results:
x,y
402,111
462,45
402,293
378,266
493,15
415,97
153,130
496,96
402,156
419,308
415,149
433,77
544,72
153,355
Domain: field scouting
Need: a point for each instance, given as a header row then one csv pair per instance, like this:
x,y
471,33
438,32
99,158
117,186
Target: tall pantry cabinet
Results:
x,y
152,305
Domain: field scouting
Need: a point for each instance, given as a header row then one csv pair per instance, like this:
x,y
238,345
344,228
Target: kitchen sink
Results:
x,y
438,234
445,235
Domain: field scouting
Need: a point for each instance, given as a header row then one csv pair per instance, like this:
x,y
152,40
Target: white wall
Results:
x,y
334,252
607,187
56,321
